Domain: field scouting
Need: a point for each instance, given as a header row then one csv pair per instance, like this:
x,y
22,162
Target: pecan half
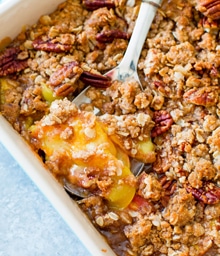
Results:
x,y
205,96
63,79
210,8
163,122
92,5
95,80
110,35
208,194
10,62
67,71
50,46
8,55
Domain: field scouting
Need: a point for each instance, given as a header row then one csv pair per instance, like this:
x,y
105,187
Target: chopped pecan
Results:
x,y
92,5
162,87
63,90
109,35
163,122
214,72
159,83
64,78
182,173
210,8
10,62
218,224
169,187
141,204
50,46
208,194
185,146
204,96
95,80
162,164
208,25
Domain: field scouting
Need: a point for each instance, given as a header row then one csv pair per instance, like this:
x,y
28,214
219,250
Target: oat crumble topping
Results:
x,y
173,207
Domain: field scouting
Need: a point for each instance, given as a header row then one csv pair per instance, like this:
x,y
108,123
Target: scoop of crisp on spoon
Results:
x,y
125,70
128,66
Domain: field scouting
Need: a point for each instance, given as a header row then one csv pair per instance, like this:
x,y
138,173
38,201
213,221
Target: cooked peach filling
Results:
x,y
78,147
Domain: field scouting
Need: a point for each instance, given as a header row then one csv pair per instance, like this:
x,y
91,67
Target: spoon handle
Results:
x,y
143,23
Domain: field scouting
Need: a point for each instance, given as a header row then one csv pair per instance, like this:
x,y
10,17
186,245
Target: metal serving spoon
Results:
x,y
126,69
128,66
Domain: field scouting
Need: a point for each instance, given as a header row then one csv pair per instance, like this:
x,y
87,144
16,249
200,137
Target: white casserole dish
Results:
x,y
13,15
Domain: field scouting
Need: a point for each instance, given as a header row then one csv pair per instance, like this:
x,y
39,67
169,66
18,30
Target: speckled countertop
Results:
x,y
29,225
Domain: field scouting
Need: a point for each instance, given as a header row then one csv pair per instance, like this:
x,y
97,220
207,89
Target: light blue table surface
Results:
x,y
29,225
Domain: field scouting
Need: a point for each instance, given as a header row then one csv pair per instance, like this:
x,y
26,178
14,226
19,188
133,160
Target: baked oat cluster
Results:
x,y
172,125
